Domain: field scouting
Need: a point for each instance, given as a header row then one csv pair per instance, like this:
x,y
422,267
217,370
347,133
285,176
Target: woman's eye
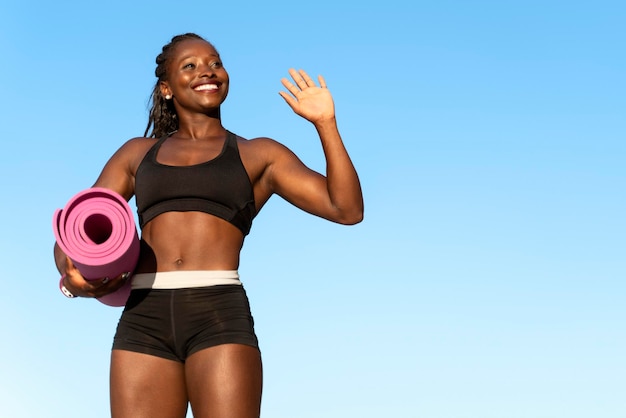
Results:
x,y
189,66
216,64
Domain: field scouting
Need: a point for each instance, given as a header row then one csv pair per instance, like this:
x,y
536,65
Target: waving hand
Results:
x,y
307,99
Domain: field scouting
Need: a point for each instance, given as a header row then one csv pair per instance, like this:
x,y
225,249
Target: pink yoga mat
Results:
x,y
96,230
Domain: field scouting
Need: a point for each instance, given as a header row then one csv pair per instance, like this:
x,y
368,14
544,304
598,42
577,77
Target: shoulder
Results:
x,y
138,143
134,148
260,155
130,154
119,171
261,147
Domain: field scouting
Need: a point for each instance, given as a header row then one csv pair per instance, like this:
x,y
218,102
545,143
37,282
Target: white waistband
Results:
x,y
184,279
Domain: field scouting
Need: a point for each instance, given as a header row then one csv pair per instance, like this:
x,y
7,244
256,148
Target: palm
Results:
x,y
307,99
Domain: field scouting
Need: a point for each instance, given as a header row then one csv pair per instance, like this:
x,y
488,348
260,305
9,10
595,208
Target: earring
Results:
x,y
167,97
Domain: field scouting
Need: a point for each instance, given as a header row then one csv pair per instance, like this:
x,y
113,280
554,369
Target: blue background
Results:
x,y
487,279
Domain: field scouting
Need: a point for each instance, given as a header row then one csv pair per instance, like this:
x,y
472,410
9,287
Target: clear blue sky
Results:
x,y
488,277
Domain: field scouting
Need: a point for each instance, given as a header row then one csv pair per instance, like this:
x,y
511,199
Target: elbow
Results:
x,y
352,218
354,221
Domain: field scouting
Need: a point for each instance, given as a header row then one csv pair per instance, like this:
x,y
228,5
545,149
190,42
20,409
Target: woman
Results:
x,y
186,334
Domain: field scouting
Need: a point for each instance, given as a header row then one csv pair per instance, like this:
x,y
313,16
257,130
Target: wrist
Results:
x,y
326,123
64,289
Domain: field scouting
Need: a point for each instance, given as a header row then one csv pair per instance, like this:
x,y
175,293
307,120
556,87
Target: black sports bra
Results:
x,y
220,187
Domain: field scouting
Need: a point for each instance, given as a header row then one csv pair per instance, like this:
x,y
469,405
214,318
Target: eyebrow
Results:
x,y
195,56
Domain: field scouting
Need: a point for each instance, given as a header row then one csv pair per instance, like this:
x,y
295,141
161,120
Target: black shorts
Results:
x,y
175,323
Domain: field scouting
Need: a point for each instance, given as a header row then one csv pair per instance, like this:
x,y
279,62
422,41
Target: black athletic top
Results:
x,y
220,187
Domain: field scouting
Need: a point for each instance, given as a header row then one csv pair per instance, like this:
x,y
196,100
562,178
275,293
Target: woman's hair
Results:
x,y
162,119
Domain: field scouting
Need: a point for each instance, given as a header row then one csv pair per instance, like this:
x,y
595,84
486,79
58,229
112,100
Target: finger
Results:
x,y
290,86
108,285
322,81
289,99
111,281
298,78
307,79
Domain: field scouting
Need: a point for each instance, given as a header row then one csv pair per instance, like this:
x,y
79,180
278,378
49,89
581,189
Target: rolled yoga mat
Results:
x,y
96,230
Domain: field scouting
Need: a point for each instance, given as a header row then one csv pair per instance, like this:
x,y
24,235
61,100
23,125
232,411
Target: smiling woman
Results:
x,y
186,335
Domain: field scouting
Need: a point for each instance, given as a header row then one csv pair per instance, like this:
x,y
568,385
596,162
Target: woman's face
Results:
x,y
196,78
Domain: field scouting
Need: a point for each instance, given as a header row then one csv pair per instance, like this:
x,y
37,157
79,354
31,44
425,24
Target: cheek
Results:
x,y
183,80
226,83
225,75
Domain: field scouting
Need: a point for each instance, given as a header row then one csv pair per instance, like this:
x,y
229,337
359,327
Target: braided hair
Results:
x,y
162,119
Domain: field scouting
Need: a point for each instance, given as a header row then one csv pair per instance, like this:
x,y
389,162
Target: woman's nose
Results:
x,y
206,70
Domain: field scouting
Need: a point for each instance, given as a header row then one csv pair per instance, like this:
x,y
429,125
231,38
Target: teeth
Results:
x,y
206,87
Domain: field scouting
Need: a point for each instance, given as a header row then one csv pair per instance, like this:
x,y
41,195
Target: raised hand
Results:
x,y
307,99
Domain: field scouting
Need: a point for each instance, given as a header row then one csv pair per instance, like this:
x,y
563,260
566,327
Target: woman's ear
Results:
x,y
165,90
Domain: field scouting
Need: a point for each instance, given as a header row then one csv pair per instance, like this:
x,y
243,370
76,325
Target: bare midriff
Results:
x,y
176,241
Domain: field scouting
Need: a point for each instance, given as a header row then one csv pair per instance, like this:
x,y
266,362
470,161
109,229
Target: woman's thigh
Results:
x,y
146,386
225,381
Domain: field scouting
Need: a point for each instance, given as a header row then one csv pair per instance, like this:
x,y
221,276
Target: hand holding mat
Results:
x,y
96,230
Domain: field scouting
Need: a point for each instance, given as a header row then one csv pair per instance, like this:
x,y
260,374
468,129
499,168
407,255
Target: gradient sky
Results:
x,y
488,277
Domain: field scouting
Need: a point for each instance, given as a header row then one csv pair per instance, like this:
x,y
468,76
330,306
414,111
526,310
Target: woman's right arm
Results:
x,y
118,175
